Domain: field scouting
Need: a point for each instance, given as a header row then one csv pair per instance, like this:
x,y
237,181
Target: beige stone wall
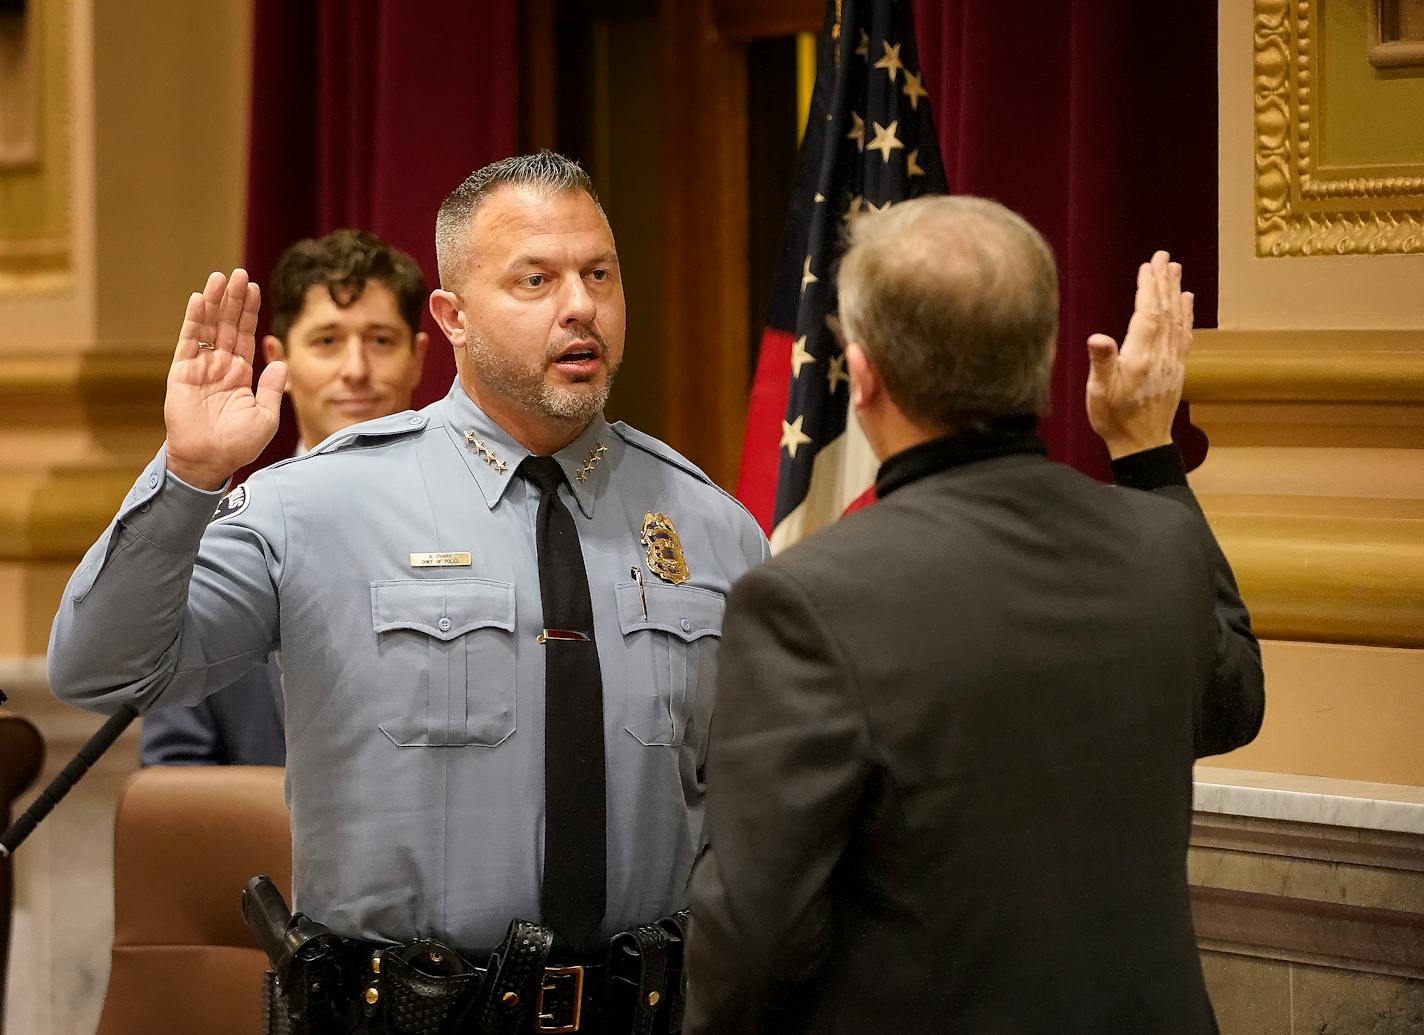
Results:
x,y
1313,391
1308,908
134,196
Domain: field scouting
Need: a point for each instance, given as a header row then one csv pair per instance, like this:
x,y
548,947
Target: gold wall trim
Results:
x,y
1331,579
1299,209
57,515
49,388
41,261
1307,366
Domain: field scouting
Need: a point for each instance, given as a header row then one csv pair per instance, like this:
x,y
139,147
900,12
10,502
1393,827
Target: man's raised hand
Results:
x,y
1133,391
215,422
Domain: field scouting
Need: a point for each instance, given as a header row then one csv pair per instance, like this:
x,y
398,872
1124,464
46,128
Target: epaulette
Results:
x,y
393,426
664,452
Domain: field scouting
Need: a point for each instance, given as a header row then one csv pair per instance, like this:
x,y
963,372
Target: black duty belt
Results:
x,y
426,988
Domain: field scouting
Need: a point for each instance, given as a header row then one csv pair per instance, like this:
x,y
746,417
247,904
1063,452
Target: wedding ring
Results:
x,y
206,345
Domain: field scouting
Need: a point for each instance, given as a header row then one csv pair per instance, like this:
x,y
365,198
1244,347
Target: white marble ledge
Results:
x,y
1310,799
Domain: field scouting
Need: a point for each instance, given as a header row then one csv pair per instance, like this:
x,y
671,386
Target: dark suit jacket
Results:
x,y
950,773
241,724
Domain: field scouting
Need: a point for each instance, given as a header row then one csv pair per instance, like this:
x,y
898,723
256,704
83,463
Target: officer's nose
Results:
x,y
354,366
578,305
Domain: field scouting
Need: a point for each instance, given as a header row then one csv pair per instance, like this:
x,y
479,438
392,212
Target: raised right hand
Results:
x,y
215,422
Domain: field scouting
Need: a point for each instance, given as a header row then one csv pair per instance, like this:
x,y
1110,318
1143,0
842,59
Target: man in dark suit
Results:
x,y
346,312
950,772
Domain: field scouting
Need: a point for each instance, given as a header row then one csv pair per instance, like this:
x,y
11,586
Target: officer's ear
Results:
x,y
272,348
445,307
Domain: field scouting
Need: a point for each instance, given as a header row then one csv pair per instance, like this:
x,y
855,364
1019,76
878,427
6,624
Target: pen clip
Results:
x,y
637,574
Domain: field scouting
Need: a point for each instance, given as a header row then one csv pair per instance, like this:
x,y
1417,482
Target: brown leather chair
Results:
x,y
21,757
186,841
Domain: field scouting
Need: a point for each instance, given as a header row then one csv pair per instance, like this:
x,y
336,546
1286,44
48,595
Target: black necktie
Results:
x,y
574,895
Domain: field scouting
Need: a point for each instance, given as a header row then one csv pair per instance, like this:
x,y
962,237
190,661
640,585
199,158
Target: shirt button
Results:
x,y
152,480
144,508
444,625
686,626
415,420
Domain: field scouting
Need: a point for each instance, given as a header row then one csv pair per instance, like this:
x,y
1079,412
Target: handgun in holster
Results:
x,y
305,958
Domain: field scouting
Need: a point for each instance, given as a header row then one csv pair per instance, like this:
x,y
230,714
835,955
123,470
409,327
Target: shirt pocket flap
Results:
x,y
686,612
444,609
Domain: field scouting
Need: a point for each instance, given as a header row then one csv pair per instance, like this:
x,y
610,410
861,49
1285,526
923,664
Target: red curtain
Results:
x,y
366,113
1096,120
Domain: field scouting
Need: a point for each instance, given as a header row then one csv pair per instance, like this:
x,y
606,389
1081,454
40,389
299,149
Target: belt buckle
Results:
x,y
561,1011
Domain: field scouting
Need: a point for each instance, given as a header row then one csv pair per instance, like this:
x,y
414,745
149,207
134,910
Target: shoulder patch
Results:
x,y
233,504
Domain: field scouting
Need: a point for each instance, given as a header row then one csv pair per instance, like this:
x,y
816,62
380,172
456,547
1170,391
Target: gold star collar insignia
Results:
x,y
594,458
485,453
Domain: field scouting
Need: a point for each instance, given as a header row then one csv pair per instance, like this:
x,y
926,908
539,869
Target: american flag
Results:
x,y
869,143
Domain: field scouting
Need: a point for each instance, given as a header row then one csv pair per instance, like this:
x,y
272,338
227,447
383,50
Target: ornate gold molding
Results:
x,y
1307,366
1330,579
37,259
53,504
1299,209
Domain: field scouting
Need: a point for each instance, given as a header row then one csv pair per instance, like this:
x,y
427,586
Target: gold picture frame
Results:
x,y
1302,208
1397,33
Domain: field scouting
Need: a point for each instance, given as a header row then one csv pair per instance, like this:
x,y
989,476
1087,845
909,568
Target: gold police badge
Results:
x,y
664,549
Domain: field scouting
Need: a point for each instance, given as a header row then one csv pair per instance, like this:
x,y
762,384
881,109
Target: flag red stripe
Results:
x,y
865,499
761,451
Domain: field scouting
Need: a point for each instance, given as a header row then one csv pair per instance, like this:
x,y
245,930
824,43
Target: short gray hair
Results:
x,y
955,300
545,170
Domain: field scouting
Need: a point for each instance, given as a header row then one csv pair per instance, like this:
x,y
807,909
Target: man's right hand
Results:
x,y
215,422
1133,392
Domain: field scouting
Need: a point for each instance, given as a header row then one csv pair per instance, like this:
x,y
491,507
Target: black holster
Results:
x,y
645,981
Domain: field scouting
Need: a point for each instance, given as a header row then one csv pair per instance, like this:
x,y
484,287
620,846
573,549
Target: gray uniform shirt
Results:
x,y
414,693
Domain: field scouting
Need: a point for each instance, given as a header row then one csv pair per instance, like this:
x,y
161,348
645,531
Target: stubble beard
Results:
x,y
526,386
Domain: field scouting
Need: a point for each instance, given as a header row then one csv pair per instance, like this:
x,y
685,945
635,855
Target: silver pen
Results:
x,y
637,574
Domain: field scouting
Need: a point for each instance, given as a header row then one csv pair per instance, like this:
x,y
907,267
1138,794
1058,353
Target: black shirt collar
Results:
x,y
1001,436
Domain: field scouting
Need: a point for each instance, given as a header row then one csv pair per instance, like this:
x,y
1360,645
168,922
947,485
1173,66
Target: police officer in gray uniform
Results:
x,y
398,569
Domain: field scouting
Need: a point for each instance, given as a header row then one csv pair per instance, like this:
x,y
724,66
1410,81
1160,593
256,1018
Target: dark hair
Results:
x,y
548,171
343,261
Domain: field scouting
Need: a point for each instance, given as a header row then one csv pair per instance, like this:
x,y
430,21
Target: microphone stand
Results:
x,y
62,784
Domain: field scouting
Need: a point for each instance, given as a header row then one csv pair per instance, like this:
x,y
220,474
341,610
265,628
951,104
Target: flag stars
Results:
x,y
863,49
891,60
792,437
837,372
852,209
799,356
807,277
912,164
857,131
885,139
914,89
871,208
